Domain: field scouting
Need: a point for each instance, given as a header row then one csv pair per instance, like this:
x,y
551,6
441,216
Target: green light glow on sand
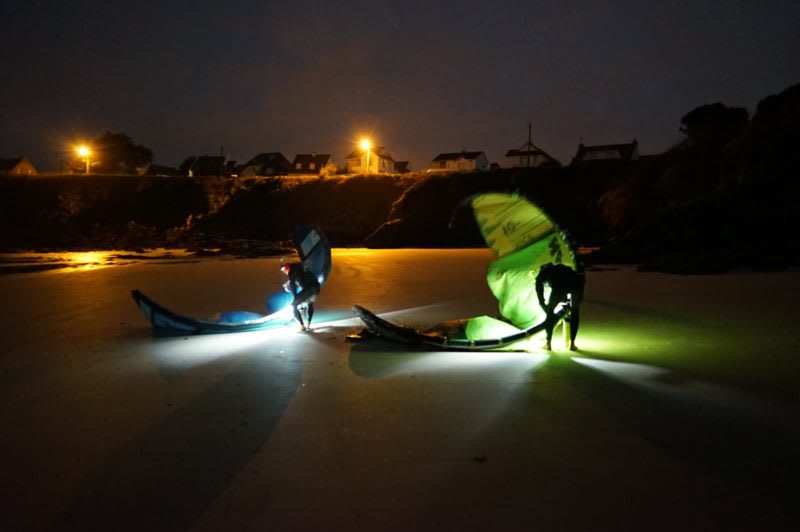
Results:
x,y
624,343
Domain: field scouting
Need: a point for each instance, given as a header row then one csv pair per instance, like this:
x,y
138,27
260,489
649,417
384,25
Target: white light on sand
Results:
x,y
671,383
190,351
627,371
663,381
472,362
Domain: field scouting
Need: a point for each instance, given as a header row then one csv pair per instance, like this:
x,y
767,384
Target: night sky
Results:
x,y
423,77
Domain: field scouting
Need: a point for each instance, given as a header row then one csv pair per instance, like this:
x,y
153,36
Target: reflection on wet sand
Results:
x,y
74,261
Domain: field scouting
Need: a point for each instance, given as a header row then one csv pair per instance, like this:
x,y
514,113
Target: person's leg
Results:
x,y
297,316
574,323
555,298
304,299
304,314
550,320
575,317
549,324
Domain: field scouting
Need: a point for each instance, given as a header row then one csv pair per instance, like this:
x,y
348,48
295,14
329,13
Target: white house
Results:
x,y
464,161
17,166
377,161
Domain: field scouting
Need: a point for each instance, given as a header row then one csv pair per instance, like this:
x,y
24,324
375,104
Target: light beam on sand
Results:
x,y
473,362
192,351
505,372
671,383
642,374
629,344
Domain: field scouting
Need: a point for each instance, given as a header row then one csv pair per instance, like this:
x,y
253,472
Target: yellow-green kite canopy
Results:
x,y
524,238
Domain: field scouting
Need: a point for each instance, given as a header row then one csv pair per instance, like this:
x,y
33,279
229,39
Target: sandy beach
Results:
x,y
680,411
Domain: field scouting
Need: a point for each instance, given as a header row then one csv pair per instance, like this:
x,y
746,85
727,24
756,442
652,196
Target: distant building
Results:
x,y
204,166
232,169
159,170
374,161
313,164
529,156
401,167
607,152
17,166
266,164
465,161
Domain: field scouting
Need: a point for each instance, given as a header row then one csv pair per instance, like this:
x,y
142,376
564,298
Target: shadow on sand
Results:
x,y
167,476
376,358
744,446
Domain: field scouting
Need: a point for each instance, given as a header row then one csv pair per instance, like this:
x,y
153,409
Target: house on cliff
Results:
x,y
402,167
464,161
320,164
266,164
373,161
16,166
159,171
206,166
529,156
607,152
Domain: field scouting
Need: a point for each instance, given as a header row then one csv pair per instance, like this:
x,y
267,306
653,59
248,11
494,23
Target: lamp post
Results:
x,y
366,145
85,152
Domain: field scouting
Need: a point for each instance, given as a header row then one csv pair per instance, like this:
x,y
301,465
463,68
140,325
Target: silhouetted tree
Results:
x,y
768,151
713,125
116,152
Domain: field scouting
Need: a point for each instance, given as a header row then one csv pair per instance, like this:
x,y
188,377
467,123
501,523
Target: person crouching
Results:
x,y
566,286
304,288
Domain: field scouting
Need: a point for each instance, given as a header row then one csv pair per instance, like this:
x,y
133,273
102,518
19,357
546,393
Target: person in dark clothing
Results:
x,y
304,288
566,286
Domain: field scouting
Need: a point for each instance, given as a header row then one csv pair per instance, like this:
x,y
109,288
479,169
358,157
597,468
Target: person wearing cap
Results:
x,y
304,288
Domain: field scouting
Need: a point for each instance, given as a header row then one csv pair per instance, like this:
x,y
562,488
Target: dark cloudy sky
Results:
x,y
424,77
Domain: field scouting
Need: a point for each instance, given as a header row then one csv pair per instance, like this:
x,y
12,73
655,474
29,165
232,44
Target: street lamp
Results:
x,y
366,145
85,153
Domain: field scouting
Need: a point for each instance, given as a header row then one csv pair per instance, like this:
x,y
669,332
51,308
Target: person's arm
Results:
x,y
540,290
287,286
291,284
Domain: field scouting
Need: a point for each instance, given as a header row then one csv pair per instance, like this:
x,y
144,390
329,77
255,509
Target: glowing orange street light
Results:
x,y
366,145
84,152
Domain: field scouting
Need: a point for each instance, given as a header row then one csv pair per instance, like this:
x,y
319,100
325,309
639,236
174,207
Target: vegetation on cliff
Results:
x,y
242,217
